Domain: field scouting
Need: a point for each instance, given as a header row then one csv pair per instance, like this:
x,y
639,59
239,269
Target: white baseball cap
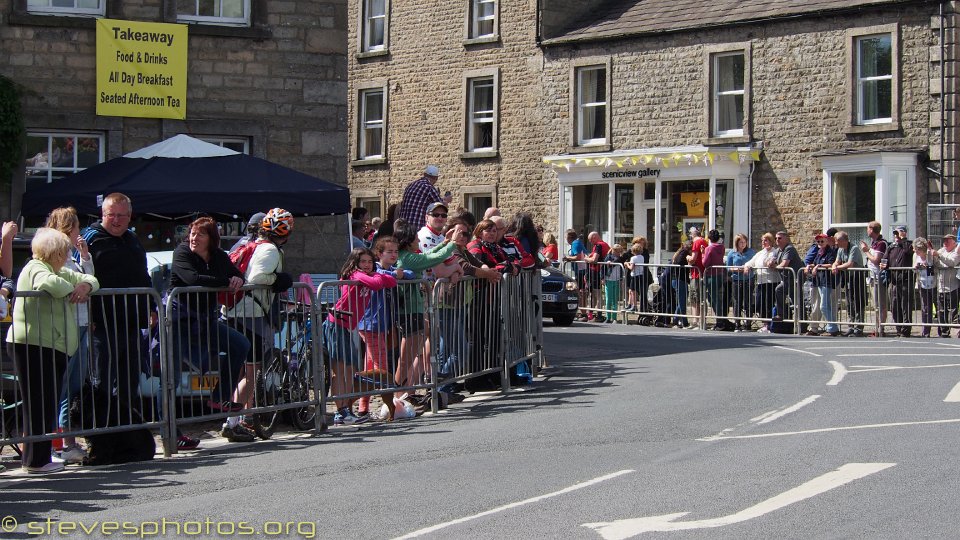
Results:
x,y
432,170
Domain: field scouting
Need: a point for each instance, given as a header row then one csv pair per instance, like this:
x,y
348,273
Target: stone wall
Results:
x,y
424,71
280,83
799,93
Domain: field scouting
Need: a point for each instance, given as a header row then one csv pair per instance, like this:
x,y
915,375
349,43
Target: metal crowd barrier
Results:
x,y
163,365
83,391
600,296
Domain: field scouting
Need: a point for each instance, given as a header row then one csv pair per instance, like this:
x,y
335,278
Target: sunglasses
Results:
x,y
439,215
821,241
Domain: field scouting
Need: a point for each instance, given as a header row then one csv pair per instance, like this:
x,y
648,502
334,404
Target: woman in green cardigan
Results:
x,y
413,327
44,335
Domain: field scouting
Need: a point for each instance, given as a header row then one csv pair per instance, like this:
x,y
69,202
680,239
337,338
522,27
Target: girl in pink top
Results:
x,y
338,329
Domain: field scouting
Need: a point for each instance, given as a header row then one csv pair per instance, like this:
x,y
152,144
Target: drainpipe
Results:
x,y
943,101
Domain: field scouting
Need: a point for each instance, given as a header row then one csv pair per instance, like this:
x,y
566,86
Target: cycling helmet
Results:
x,y
277,222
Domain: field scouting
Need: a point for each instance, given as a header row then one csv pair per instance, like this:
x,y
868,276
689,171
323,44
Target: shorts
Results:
x,y
341,345
581,276
693,292
594,279
410,324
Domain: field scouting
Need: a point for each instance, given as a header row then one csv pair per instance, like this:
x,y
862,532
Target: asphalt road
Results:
x,y
633,431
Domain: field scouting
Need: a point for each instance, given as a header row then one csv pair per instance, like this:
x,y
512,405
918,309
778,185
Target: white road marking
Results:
x,y
797,350
827,430
563,491
788,410
957,355
864,369
839,372
954,395
627,528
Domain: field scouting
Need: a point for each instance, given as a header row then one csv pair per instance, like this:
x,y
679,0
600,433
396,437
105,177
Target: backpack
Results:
x,y
240,258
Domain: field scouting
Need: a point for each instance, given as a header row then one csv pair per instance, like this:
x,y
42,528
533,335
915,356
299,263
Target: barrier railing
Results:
x,y
67,379
601,295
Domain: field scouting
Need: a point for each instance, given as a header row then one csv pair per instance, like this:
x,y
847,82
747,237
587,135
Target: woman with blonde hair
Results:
x,y
44,335
550,251
65,220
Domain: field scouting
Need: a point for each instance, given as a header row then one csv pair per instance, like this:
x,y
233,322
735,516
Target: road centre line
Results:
x,y
788,410
827,430
797,350
498,509
839,372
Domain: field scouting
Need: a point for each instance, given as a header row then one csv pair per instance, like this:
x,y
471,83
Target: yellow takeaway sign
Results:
x,y
141,69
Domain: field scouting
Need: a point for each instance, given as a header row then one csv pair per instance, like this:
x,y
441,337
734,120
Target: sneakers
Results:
x,y
187,443
73,454
49,468
345,417
237,433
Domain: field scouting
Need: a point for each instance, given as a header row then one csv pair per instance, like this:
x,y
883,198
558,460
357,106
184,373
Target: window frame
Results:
x,y
468,193
362,90
854,113
712,54
364,50
470,78
224,140
576,69
74,11
886,168
245,21
50,135
472,23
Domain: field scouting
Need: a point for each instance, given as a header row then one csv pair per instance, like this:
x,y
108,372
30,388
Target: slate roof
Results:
x,y
621,18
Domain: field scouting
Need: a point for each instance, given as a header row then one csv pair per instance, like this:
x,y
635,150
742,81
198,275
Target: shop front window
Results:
x,y
688,205
623,222
590,209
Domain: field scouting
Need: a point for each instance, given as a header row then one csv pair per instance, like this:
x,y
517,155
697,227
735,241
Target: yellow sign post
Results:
x,y
141,69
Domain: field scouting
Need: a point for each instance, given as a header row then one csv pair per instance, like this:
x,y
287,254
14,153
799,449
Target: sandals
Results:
x,y
187,443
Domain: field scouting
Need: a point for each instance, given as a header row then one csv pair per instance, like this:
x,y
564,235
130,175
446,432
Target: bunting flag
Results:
x,y
675,159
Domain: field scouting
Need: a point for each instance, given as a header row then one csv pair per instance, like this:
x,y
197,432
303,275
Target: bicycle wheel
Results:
x,y
301,383
269,388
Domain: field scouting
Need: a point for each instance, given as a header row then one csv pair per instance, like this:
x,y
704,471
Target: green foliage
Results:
x,y
12,132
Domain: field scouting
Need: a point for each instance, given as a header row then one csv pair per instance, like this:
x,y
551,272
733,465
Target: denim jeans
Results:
x,y
452,350
77,367
680,294
202,344
828,307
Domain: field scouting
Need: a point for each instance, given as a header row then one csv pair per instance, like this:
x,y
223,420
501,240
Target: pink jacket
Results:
x,y
354,298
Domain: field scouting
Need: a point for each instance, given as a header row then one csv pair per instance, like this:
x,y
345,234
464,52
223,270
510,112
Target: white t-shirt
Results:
x,y
427,239
635,261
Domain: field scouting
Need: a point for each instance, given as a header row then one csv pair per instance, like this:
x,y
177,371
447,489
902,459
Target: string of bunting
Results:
x,y
672,160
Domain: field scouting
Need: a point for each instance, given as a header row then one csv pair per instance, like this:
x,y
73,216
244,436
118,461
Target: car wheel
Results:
x,y
563,320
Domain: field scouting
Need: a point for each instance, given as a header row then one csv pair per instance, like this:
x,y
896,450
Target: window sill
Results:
x,y
720,141
590,149
203,29
59,21
872,128
484,154
495,38
368,162
373,54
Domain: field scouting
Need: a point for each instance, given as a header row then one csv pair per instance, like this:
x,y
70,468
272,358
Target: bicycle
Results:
x,y
288,377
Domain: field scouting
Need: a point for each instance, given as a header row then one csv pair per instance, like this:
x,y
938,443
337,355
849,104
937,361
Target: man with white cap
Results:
x,y
418,195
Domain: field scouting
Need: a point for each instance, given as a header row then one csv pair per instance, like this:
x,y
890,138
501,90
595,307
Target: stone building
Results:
x,y
648,117
266,78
